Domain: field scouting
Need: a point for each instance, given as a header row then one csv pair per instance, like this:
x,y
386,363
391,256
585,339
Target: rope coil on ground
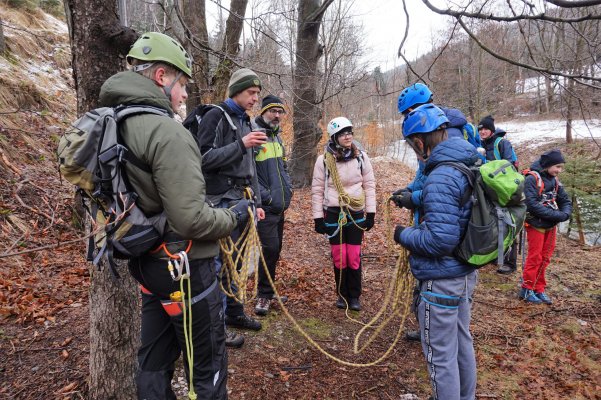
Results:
x,y
396,303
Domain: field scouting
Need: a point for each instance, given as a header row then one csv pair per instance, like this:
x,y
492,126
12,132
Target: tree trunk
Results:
x,y
229,49
570,110
306,112
195,18
2,42
98,44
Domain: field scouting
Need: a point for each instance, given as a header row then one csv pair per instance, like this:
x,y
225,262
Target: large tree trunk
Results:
x,y
98,44
229,49
194,15
306,112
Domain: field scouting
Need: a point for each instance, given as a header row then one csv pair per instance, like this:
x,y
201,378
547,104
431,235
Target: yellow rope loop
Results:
x,y
396,304
238,259
344,199
398,298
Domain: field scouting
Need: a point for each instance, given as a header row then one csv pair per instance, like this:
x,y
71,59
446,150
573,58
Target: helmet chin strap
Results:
x,y
167,89
420,153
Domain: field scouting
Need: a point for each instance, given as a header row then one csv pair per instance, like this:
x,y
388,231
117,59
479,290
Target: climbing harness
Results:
x,y
180,302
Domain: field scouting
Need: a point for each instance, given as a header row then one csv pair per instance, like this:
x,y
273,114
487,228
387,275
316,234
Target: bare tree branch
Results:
x,y
541,16
573,3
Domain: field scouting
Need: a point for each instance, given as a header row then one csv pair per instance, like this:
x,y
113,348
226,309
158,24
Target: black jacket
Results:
x,y
274,181
226,164
505,148
549,208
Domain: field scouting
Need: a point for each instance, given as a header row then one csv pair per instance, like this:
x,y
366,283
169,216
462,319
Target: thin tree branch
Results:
x,y
574,4
577,78
492,17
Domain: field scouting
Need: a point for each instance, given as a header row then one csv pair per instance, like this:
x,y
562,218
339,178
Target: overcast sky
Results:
x,y
384,23
384,27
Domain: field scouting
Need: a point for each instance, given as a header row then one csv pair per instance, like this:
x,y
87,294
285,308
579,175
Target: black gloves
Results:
x,y
397,233
369,221
320,226
403,200
241,211
400,191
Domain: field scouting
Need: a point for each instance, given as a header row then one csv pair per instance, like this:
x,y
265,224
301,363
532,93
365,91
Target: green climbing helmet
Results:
x,y
155,46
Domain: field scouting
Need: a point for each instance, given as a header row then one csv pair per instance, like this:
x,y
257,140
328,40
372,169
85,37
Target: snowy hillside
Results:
x,y
531,134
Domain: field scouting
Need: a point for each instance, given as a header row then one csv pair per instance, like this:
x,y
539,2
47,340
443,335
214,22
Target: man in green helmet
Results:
x,y
160,71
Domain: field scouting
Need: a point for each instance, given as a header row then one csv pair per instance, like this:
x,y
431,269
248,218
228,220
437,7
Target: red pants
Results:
x,y
540,250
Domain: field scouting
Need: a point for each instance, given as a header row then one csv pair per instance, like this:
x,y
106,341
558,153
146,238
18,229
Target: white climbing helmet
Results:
x,y
338,124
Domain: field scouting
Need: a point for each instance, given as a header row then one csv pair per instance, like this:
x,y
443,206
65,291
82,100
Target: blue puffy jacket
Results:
x,y
456,122
445,219
455,129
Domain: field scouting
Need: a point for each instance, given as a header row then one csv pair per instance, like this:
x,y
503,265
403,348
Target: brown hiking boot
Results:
x,y
262,307
243,322
233,339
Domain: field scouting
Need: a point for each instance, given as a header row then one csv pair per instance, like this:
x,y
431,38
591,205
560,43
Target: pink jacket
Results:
x,y
356,176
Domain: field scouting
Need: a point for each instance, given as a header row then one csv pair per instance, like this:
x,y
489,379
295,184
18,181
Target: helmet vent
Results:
x,y
146,49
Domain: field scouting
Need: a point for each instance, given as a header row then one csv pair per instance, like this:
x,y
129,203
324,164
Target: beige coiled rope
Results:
x,y
395,306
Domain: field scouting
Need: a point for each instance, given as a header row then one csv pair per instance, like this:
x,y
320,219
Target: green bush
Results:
x,y
54,7
27,4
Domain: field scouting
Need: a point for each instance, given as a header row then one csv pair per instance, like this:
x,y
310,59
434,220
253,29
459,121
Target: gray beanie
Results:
x,y
241,80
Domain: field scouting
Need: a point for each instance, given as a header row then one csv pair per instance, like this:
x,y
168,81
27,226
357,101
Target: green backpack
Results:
x,y
498,211
92,156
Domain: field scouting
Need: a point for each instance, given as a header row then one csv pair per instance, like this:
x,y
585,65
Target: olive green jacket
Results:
x,y
176,184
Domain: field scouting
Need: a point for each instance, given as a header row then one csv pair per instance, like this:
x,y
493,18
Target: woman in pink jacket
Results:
x,y
344,206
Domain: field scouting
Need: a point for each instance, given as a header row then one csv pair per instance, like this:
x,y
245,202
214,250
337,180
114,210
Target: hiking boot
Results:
x,y
243,322
542,296
233,339
262,307
529,296
413,336
506,269
340,303
354,305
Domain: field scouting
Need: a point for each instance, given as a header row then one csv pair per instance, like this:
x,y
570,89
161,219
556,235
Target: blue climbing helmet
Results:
x,y
417,93
424,119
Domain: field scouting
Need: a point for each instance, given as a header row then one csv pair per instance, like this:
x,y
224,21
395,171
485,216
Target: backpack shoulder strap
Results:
x,y
469,174
539,181
360,161
123,112
496,148
227,117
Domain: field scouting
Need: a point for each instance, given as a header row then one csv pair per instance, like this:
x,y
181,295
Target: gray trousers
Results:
x,y
444,314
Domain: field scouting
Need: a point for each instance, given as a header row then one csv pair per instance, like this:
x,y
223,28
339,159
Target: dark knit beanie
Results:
x,y
241,80
550,158
487,122
271,101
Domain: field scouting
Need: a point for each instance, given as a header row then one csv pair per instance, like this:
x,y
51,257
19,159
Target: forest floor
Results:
x,y
523,351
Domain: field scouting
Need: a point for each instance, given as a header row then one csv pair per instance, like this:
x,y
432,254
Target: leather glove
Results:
x,y
320,226
369,221
400,191
241,211
403,200
397,233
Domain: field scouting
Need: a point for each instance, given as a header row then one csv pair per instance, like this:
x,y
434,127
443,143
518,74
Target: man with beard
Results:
x,y
276,192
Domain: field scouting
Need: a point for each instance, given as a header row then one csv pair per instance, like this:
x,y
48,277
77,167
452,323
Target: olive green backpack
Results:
x,y
92,156
498,211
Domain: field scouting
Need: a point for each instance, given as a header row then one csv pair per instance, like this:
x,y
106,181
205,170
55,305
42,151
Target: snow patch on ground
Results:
x,y
533,132
56,25
540,131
